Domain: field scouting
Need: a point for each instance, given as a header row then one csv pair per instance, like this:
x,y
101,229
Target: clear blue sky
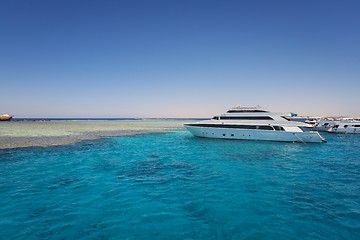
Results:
x,y
178,58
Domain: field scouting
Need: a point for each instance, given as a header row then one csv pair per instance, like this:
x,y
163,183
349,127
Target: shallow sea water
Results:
x,y
175,186
15,134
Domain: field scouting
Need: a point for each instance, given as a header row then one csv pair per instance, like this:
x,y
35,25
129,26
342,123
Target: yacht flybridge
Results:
x,y
254,123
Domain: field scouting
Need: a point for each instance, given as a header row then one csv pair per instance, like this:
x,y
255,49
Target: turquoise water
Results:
x,y
175,186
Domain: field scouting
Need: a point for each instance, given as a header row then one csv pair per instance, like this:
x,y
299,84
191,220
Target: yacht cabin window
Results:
x,y
246,118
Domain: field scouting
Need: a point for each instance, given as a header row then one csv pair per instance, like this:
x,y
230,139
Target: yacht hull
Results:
x,y
345,130
263,135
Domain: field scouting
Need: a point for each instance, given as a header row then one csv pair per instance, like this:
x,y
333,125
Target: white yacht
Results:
x,y
254,123
346,126
323,124
338,125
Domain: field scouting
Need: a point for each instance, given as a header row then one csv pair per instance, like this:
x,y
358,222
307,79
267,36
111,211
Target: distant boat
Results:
x,y
5,117
346,126
323,124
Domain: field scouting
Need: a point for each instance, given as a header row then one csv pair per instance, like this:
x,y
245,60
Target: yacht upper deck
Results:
x,y
252,114
239,108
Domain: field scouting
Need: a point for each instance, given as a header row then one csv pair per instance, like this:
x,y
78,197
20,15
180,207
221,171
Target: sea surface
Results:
x,y
171,185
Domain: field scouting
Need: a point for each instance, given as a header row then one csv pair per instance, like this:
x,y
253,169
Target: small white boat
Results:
x,y
5,117
254,123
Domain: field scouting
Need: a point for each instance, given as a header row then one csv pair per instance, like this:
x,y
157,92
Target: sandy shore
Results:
x,y
51,133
